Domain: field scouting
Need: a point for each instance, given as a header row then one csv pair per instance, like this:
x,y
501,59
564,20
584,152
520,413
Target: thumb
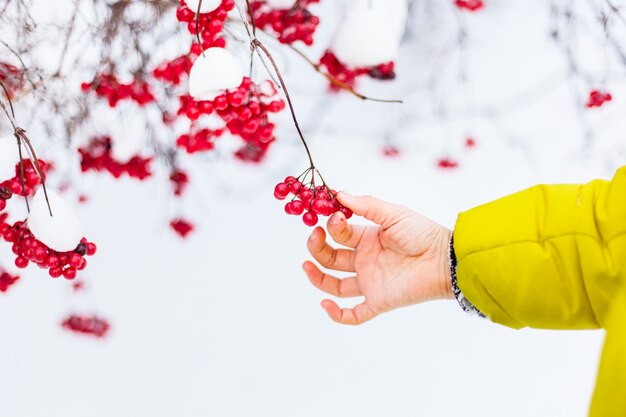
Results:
x,y
373,209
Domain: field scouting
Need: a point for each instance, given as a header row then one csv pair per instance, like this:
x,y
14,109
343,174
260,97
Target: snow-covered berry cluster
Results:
x,y
97,156
597,98
12,78
7,280
245,110
348,76
210,22
87,325
108,86
28,248
292,24
469,5
309,201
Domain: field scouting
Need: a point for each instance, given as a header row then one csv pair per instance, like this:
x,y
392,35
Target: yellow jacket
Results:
x,y
554,257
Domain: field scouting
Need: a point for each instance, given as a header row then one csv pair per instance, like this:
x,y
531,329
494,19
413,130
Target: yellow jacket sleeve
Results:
x,y
554,257
551,257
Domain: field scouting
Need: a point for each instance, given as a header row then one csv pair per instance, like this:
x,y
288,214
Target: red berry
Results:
x,y
310,219
69,273
281,191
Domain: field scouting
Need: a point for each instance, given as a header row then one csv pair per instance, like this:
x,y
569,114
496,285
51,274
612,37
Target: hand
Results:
x,y
401,261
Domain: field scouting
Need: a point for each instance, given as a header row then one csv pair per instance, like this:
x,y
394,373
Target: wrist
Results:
x,y
445,268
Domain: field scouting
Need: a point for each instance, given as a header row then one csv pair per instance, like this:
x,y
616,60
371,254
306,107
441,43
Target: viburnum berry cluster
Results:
x,y
291,25
309,201
174,71
7,280
26,185
28,249
208,26
181,227
348,76
245,111
447,163
12,78
87,325
469,5
97,156
108,86
598,98
180,181
200,141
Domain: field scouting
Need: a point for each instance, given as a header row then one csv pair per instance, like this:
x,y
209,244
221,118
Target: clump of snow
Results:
x,y
207,6
9,157
62,231
214,71
370,32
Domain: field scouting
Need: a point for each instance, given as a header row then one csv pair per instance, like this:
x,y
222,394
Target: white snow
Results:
x,y
370,32
207,6
62,231
9,157
216,70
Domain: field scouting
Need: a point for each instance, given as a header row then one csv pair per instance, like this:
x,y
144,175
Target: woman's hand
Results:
x,y
401,261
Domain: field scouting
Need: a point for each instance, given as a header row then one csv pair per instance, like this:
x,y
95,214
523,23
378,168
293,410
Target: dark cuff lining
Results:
x,y
465,304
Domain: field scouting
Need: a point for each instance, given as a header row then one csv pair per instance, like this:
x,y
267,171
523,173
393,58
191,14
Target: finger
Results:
x,y
350,316
342,288
343,233
371,208
327,256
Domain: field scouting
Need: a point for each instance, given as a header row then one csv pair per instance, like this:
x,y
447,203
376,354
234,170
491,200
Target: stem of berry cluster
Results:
x,y
257,44
20,136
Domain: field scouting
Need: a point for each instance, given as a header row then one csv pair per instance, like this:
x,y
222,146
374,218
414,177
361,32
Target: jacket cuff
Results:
x,y
465,304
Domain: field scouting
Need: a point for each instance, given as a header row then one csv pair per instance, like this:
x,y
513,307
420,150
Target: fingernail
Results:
x,y
313,236
335,219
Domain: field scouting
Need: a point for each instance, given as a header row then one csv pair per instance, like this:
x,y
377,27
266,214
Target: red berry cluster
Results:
x,y
391,151
597,98
89,325
447,163
291,25
200,141
348,76
173,71
470,5
29,249
12,78
308,199
209,25
31,180
96,155
7,280
246,112
181,227
180,181
109,87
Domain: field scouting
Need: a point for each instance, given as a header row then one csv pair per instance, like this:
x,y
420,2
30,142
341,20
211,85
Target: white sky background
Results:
x,y
225,324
